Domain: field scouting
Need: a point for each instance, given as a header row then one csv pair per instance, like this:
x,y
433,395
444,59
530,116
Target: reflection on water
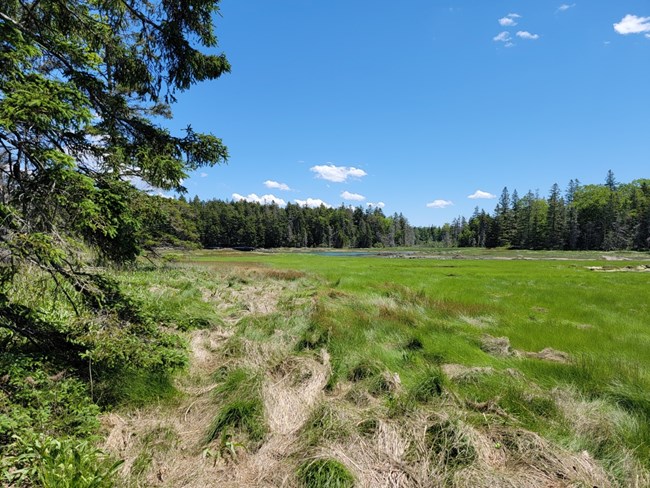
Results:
x,y
345,253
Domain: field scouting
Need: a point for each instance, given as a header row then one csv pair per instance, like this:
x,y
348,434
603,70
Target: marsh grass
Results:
x,y
156,442
140,388
173,295
325,423
536,304
325,473
404,339
449,445
240,407
429,385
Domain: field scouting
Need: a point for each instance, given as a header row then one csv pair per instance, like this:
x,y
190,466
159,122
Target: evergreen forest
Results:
x,y
609,216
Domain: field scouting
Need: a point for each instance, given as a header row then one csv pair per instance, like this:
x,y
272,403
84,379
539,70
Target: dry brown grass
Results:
x,y
496,346
460,372
549,354
480,322
500,347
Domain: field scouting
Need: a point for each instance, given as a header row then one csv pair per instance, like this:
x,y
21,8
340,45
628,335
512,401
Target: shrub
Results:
x,y
53,463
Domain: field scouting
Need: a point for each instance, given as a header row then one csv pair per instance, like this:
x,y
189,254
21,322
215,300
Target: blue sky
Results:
x,y
418,105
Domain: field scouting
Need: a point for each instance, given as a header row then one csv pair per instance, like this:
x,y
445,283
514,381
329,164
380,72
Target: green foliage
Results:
x,y
52,463
80,85
325,473
100,338
165,222
609,217
44,417
35,401
233,224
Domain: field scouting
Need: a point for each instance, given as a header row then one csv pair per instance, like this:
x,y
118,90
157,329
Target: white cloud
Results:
x,y
378,204
648,36
527,35
264,199
507,22
509,44
502,37
481,194
631,24
514,16
337,174
312,202
440,204
346,195
276,185
565,6
203,175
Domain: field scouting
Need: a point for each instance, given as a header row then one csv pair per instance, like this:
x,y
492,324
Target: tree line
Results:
x,y
218,223
610,216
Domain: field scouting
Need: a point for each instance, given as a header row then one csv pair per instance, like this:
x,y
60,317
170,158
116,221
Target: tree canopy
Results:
x,y
82,85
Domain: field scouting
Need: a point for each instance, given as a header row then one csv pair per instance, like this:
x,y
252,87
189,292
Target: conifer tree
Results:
x,y
81,83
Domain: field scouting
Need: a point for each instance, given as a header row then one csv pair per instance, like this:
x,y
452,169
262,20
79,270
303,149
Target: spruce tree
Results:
x,y
81,84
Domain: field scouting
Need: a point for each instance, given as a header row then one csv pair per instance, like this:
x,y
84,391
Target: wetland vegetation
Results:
x,y
432,372
475,369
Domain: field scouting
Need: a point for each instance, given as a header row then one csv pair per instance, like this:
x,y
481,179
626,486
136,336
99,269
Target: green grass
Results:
x,y
325,473
141,388
324,424
448,445
429,386
409,316
173,295
537,304
241,409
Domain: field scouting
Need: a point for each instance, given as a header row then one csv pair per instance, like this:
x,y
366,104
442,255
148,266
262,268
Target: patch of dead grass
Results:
x,y
500,347
481,321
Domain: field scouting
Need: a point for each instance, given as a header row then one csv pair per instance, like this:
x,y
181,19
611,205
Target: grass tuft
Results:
x,y
449,445
429,385
414,344
325,473
363,370
241,407
324,424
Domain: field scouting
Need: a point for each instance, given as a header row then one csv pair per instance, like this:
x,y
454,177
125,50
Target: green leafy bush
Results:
x,y
53,463
35,401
